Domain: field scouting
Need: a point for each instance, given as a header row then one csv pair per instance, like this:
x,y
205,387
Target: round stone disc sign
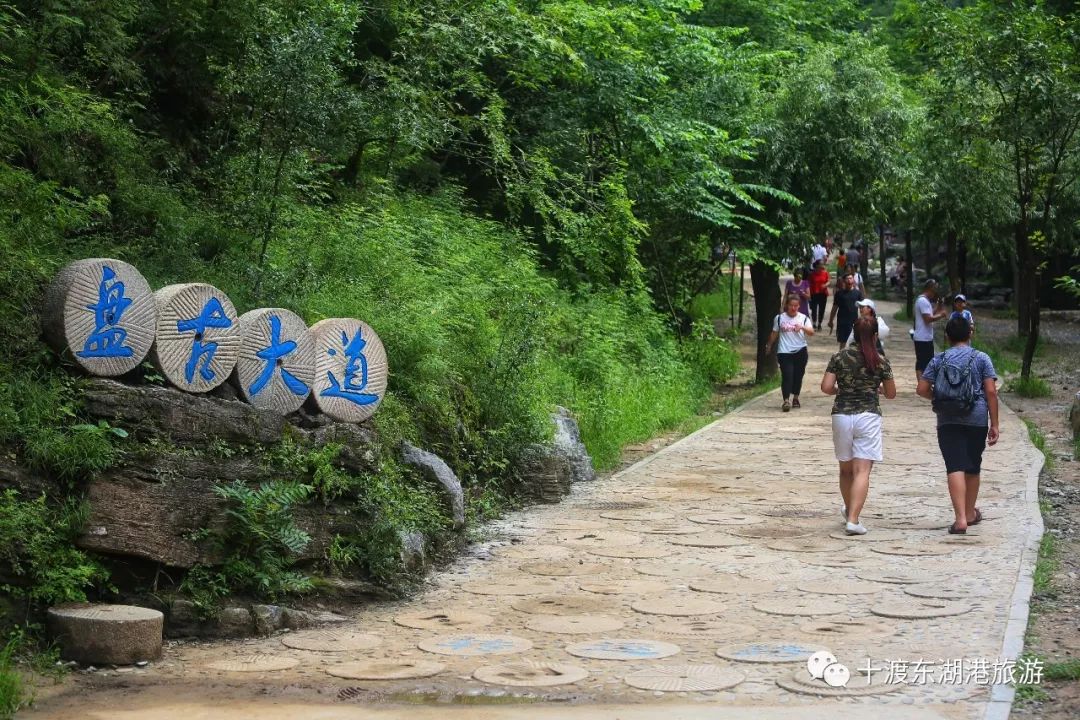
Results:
x,y
104,311
276,363
198,336
350,369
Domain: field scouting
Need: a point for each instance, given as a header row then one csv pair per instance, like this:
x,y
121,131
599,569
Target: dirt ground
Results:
x,y
1054,629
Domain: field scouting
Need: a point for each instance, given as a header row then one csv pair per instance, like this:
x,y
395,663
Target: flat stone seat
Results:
x,y
92,634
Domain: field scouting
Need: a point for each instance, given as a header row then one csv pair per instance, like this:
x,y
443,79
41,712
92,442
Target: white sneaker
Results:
x,y
854,529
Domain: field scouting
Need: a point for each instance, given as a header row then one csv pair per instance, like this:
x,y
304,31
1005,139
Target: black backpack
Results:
x,y
954,393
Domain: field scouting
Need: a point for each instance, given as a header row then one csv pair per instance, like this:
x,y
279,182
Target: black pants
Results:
x,y
817,308
792,369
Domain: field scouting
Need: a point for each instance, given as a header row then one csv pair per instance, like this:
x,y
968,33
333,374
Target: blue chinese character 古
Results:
x,y
212,316
355,364
108,337
272,355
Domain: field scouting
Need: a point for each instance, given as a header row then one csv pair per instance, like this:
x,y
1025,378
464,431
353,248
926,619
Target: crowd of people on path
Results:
x,y
960,382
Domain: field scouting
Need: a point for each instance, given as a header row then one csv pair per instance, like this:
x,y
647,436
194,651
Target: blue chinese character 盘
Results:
x,y
355,364
272,355
108,337
212,316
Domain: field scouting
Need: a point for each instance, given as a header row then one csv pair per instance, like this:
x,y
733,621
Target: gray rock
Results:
x,y
233,622
358,445
567,443
545,474
413,550
1074,416
182,619
434,468
268,618
352,589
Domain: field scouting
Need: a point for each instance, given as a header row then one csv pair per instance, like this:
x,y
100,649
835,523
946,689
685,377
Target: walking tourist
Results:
x,y
961,384
800,287
844,310
818,253
819,293
854,375
854,257
926,314
790,330
960,309
867,308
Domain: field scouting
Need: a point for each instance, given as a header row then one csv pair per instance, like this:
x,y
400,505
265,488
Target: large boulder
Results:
x,y
434,468
567,443
547,471
106,634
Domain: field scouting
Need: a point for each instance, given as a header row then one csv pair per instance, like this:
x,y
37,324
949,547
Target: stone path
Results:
x,y
696,583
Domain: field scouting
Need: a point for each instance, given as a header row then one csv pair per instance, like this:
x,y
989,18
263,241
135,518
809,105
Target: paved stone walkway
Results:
x,y
713,569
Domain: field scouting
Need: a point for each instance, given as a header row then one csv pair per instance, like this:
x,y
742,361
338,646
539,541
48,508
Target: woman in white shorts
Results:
x,y
854,375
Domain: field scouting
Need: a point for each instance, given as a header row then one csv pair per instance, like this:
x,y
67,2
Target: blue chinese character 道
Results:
x,y
352,387
108,337
212,316
272,355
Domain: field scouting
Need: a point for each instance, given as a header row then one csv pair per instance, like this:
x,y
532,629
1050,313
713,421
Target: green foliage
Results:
x,y
1038,439
260,543
1046,565
13,692
1029,387
1067,670
37,547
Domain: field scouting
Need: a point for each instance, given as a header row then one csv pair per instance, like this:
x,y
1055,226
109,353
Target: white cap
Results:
x,y
867,303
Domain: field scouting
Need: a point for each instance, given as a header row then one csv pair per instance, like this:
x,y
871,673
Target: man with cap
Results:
x,y
926,314
867,308
959,309
844,310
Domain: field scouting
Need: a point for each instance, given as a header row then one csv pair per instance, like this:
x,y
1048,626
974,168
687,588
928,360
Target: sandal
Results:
x,y
978,518
786,407
953,530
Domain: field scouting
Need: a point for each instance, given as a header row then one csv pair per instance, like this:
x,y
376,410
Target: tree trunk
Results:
x,y
951,264
927,260
961,263
881,261
1025,267
909,290
765,279
742,290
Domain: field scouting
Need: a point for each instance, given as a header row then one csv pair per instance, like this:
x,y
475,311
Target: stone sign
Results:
x,y
198,336
350,369
276,364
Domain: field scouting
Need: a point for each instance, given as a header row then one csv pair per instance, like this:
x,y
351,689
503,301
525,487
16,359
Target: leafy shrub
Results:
x,y
37,546
13,694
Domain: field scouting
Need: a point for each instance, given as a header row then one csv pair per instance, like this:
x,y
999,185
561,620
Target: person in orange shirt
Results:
x,y
819,293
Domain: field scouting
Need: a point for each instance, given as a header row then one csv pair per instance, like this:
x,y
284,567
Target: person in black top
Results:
x,y
844,310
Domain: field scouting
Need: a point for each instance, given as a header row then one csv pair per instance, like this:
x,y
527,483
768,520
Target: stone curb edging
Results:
x,y
1000,704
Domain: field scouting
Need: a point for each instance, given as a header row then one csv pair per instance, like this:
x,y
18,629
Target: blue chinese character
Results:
x,y
355,363
107,340
212,316
272,356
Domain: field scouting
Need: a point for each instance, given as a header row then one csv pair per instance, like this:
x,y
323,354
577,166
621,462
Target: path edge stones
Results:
x,y
999,706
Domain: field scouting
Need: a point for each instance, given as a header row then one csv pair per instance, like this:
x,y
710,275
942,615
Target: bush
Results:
x,y
13,694
1030,387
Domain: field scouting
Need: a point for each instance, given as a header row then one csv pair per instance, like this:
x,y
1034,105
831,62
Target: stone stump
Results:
x,y
106,634
350,369
198,336
276,362
103,311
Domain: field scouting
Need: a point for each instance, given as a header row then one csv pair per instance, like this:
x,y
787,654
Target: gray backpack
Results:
x,y
954,392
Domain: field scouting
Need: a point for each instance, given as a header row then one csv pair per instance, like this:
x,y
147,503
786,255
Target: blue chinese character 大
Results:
x,y
107,340
272,355
212,316
351,388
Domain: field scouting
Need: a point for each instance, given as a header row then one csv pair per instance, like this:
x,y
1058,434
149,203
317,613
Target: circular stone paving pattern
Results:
x,y
625,587
565,524
254,662
448,620
530,674
709,540
632,552
331,641
559,605
778,652
875,535
705,629
473,645
532,552
598,538
845,628
637,515
685,678
801,682
910,550
725,519
733,585
673,570
568,568
899,577
511,586
574,624
919,609
941,591
772,531
838,587
623,649
385,669
807,545
677,606
799,606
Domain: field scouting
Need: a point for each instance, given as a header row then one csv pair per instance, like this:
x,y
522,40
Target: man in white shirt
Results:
x,y
926,314
818,252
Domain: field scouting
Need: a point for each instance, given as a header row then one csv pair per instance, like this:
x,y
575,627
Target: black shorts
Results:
x,y
924,353
962,447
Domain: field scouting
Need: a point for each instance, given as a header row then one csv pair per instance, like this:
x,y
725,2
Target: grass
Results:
x,y
726,404
1068,670
13,693
902,315
1031,387
1046,565
1039,441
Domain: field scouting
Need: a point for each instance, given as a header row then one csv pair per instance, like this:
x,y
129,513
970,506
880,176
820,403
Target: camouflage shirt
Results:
x,y
856,386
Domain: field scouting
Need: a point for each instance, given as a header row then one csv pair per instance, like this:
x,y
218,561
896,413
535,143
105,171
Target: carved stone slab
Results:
x,y
198,336
276,363
351,370
104,311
